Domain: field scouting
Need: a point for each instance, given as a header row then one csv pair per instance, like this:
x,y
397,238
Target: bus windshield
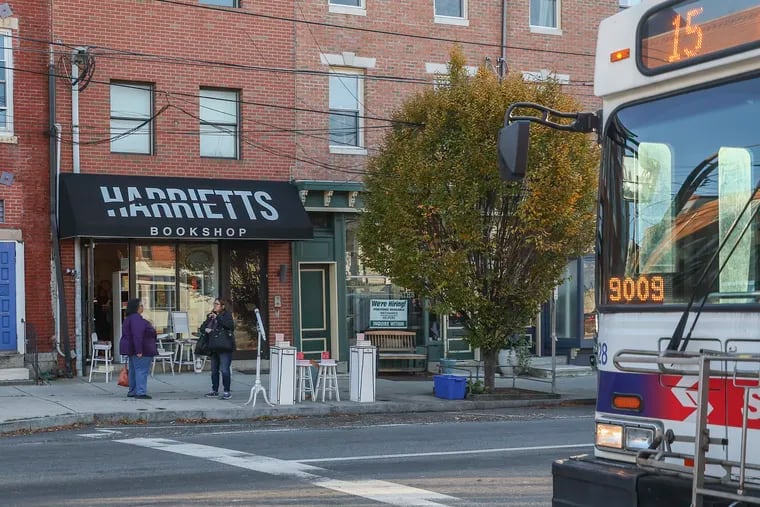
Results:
x,y
678,173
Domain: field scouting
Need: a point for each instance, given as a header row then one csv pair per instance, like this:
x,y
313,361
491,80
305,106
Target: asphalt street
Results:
x,y
491,457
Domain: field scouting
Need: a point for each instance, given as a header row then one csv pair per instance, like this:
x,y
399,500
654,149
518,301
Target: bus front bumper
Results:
x,y
591,482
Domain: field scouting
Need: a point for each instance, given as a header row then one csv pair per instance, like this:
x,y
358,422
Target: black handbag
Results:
x,y
201,347
221,340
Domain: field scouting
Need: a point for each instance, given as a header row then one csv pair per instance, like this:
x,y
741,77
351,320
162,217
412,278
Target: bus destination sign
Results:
x,y
693,31
644,289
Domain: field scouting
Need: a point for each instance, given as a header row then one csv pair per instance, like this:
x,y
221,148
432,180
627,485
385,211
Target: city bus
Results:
x,y
677,418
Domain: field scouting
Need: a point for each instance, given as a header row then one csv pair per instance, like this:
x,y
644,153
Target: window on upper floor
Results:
x,y
452,12
357,7
131,118
219,119
628,3
350,3
6,85
544,13
346,94
221,3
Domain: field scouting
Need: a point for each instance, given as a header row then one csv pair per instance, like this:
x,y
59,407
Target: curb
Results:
x,y
240,413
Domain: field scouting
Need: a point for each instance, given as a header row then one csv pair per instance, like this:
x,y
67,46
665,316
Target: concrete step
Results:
x,y
11,360
13,374
546,361
564,370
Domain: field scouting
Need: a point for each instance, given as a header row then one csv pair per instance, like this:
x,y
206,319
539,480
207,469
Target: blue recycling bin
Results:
x,y
449,387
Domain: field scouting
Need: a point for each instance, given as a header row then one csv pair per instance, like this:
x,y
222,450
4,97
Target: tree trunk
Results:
x,y
489,369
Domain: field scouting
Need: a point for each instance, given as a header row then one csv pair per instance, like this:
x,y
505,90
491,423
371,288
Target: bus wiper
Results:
x,y
676,340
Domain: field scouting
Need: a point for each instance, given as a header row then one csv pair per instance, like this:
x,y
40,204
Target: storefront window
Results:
x,y
567,303
589,294
363,286
198,264
155,267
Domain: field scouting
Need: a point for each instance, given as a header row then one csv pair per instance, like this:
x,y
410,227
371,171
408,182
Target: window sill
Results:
x,y
348,150
545,30
448,20
219,157
7,139
128,153
348,9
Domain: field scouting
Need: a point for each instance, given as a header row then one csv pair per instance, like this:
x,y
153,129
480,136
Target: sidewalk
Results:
x,y
180,398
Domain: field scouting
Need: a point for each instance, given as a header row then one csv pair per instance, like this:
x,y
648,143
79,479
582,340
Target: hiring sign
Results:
x,y
387,313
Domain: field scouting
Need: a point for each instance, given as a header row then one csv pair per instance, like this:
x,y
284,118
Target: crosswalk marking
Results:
x,y
380,491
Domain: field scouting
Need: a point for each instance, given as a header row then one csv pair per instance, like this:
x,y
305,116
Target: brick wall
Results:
x,y
27,205
405,57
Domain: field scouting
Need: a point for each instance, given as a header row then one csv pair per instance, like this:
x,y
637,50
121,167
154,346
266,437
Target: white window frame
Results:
x,y
224,127
359,148
235,4
356,10
453,20
547,30
544,75
6,129
134,119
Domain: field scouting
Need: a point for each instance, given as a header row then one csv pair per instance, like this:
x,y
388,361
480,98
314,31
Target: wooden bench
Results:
x,y
397,348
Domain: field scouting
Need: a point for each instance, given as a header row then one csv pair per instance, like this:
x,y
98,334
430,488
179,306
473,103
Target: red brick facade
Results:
x,y
25,155
278,65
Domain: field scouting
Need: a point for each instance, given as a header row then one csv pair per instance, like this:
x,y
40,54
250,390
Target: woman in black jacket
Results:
x,y
220,328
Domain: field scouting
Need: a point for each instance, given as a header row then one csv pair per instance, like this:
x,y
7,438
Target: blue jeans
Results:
x,y
223,360
139,367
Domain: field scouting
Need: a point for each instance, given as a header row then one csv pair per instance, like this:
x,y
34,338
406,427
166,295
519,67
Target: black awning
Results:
x,y
108,206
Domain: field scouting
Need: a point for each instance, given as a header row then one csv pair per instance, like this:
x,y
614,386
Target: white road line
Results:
x,y
444,453
100,434
380,491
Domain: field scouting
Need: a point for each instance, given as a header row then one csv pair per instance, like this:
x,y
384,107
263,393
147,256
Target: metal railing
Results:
x,y
733,484
31,355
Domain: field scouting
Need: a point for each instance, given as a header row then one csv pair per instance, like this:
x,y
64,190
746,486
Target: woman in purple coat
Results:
x,y
138,341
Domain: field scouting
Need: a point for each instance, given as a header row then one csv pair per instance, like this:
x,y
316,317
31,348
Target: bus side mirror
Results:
x,y
514,140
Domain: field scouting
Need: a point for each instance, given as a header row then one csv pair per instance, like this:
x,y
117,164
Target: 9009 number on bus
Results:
x,y
642,289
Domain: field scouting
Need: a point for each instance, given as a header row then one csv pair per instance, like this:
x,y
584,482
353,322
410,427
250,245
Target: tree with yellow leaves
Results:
x,y
439,221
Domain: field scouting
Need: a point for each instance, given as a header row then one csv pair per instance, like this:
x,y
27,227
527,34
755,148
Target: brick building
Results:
x,y
216,147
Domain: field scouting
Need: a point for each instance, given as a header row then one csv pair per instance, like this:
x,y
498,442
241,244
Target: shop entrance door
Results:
x,y
243,280
315,310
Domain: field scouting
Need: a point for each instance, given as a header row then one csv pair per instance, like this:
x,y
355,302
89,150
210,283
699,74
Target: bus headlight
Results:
x,y
609,435
638,438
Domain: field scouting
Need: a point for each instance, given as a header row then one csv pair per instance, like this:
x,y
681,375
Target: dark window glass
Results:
x,y
453,8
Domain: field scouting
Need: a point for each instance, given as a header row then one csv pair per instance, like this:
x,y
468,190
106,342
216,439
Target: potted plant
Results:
x,y
514,358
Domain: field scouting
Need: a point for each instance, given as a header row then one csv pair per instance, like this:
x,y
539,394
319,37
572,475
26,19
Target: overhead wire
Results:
x,y
239,101
273,151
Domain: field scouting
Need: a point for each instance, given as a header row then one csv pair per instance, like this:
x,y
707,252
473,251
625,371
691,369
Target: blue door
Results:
x,y
7,296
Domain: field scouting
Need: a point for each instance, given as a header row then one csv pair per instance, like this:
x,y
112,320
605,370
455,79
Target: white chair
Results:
x,y
101,354
164,354
180,326
327,379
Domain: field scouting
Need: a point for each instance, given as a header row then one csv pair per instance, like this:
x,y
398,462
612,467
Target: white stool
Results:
x,y
101,353
304,381
327,378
